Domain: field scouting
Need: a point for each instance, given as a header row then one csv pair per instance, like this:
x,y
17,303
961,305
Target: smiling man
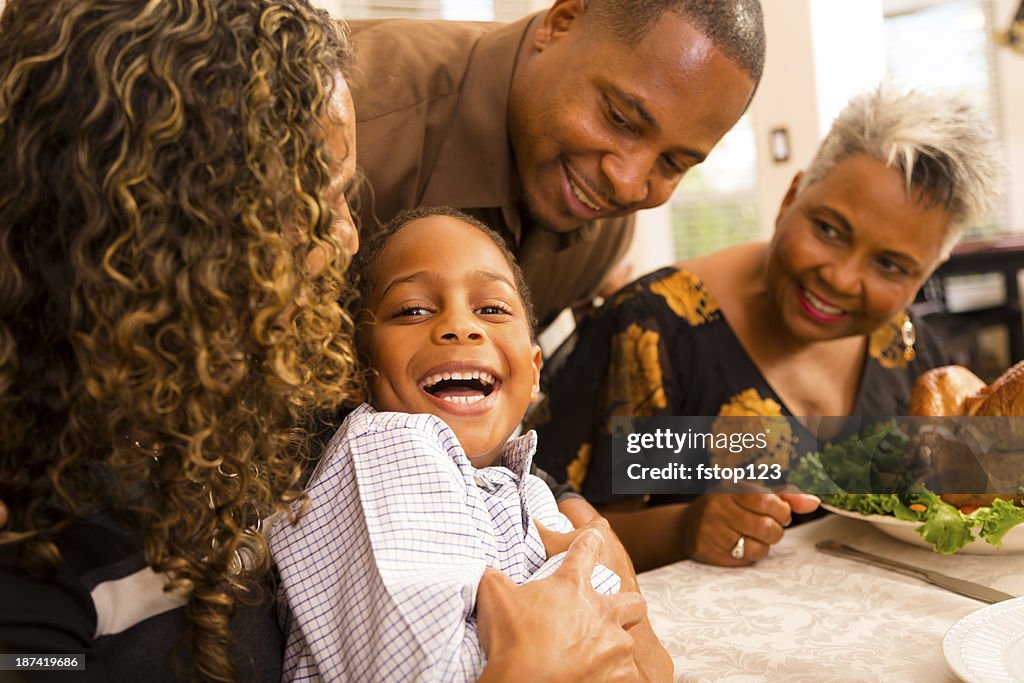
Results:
x,y
554,129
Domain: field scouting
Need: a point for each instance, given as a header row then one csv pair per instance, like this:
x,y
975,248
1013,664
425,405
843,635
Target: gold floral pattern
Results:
x,y
576,471
687,296
661,346
635,385
748,403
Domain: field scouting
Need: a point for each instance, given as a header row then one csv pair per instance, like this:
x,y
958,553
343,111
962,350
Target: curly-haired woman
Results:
x,y
173,245
173,239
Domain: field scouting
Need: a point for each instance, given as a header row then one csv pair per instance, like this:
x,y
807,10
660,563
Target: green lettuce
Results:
x,y
997,520
841,473
862,463
946,528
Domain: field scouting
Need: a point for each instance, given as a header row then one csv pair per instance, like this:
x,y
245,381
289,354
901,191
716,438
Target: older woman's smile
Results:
x,y
818,308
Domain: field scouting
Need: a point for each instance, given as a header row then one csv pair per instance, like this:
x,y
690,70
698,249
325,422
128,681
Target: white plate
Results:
x,y
1013,541
987,646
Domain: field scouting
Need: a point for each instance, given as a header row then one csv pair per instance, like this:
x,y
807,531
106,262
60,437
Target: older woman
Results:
x,y
173,238
813,323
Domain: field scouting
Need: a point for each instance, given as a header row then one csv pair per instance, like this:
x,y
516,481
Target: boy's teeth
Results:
x,y
463,399
821,305
582,197
484,377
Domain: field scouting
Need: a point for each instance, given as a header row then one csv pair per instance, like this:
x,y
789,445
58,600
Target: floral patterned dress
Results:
x,y
661,347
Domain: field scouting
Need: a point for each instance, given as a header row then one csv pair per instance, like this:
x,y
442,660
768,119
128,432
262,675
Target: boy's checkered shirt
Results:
x,y
379,577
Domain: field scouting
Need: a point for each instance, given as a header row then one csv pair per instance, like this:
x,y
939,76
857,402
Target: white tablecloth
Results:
x,y
802,615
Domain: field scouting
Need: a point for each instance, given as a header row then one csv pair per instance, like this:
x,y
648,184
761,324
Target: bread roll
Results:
x,y
955,391
1005,396
944,391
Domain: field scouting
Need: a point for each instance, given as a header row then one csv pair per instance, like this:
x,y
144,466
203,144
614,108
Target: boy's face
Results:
x,y
449,335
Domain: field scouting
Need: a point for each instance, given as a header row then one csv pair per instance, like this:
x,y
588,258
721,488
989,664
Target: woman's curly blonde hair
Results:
x,y
163,177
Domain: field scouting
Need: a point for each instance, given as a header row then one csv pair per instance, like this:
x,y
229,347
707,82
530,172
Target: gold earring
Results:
x,y
908,335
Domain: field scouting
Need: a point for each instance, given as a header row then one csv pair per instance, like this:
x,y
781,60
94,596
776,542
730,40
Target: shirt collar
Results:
x,y
516,456
484,177
363,409
475,168
516,460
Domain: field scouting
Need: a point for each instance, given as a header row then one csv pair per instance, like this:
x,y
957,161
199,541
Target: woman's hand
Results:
x,y
558,628
713,524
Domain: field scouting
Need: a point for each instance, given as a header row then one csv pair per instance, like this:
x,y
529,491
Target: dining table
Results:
x,y
801,615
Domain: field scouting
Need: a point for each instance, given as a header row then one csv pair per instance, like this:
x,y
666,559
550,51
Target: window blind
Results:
x,y
948,48
715,205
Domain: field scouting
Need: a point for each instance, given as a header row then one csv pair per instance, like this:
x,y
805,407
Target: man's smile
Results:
x,y
580,198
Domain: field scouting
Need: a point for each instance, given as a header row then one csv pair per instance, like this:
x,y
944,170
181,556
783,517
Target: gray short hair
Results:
x,y
736,27
945,150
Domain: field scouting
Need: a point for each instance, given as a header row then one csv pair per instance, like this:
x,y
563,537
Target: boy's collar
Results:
x,y
516,455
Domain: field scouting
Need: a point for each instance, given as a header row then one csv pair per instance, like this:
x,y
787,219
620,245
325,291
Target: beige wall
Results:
x,y
820,53
1010,66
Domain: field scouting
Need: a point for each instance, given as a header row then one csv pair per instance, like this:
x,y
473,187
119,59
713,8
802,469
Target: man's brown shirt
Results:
x,y
431,101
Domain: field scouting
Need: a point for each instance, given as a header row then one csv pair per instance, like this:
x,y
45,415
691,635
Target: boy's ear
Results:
x,y
538,362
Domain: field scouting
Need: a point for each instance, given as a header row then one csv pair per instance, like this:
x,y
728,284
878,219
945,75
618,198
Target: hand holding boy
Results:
x,y
519,625
613,553
652,660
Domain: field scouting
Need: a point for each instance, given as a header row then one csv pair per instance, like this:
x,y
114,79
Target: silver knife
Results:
x,y
951,583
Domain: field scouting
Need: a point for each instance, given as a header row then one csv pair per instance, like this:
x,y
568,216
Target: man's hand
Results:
x,y
558,628
652,660
613,554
